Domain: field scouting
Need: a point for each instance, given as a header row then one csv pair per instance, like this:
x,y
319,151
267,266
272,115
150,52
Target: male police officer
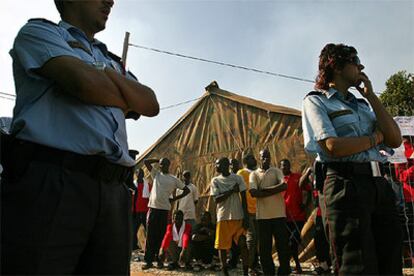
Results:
x,y
65,207
358,204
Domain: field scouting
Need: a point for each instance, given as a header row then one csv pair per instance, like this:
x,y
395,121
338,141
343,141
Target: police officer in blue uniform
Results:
x,y
347,134
65,207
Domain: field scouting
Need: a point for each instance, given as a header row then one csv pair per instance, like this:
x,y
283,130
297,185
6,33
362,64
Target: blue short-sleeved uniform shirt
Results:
x,y
45,115
329,114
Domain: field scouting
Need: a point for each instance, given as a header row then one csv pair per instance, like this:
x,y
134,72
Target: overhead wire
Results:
x,y
222,63
7,94
2,94
178,104
227,64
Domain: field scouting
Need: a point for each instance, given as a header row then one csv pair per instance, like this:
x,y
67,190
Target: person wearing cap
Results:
x,y
65,208
188,203
347,133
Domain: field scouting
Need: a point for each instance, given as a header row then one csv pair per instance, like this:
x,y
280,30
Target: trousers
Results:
x,y
157,221
55,220
269,229
360,215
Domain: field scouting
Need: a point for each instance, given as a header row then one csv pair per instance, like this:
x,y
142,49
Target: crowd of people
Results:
x,y
65,208
254,205
260,209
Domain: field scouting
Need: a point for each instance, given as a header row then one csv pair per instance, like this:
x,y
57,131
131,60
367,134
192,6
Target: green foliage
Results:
x,y
398,97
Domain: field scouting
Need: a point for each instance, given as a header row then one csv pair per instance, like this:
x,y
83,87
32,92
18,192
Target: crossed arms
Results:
x,y
100,87
268,192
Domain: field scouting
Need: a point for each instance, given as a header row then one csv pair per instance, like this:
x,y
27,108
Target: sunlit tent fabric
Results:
x,y
222,123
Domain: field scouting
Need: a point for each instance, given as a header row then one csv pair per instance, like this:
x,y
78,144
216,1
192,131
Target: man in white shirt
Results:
x,y
188,203
267,186
229,193
163,185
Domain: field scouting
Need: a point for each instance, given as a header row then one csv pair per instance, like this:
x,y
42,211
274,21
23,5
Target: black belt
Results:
x,y
97,167
351,168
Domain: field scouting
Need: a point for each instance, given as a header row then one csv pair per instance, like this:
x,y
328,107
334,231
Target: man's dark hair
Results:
x,y
333,56
59,6
285,161
179,212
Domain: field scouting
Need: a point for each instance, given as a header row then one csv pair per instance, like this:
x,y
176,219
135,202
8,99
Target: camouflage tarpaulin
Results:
x,y
220,124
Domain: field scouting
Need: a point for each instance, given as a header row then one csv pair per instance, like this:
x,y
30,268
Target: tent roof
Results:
x,y
213,89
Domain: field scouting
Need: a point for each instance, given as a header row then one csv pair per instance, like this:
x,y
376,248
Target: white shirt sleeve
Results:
x,y
195,193
154,172
214,191
242,185
253,180
180,185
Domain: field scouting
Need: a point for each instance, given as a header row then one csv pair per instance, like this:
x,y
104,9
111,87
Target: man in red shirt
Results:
x,y
295,209
405,175
139,205
176,241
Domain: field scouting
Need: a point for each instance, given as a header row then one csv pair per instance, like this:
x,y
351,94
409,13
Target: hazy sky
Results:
x,y
279,36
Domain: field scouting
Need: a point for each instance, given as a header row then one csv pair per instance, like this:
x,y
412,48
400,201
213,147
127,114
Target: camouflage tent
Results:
x,y
222,123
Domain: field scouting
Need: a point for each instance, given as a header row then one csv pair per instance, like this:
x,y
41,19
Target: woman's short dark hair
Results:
x,y
333,56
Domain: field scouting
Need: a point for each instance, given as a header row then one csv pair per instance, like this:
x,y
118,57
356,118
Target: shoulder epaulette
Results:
x,y
129,72
313,93
362,101
43,20
116,58
130,115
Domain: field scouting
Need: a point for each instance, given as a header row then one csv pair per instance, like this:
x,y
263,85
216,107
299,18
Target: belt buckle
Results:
x,y
375,168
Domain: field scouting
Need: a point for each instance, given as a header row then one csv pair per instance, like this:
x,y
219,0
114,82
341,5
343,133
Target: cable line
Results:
x,y
203,60
7,94
223,63
178,104
162,108
6,98
227,64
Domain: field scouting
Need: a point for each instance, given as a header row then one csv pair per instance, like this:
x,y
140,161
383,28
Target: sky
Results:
x,y
283,37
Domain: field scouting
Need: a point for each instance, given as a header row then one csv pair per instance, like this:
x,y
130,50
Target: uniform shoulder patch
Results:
x,y
43,20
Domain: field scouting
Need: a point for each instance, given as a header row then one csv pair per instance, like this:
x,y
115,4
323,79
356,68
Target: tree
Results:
x,y
398,97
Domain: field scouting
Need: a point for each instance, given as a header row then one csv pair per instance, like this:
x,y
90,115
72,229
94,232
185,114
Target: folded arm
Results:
x,y
345,146
223,196
268,192
99,87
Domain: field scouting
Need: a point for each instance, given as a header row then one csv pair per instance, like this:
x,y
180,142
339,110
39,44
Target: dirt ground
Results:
x,y
136,269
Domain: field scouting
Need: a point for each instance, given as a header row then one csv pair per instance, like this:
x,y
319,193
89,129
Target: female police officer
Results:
x,y
347,136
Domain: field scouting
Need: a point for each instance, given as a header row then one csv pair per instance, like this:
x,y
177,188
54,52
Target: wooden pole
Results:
x,y
125,49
